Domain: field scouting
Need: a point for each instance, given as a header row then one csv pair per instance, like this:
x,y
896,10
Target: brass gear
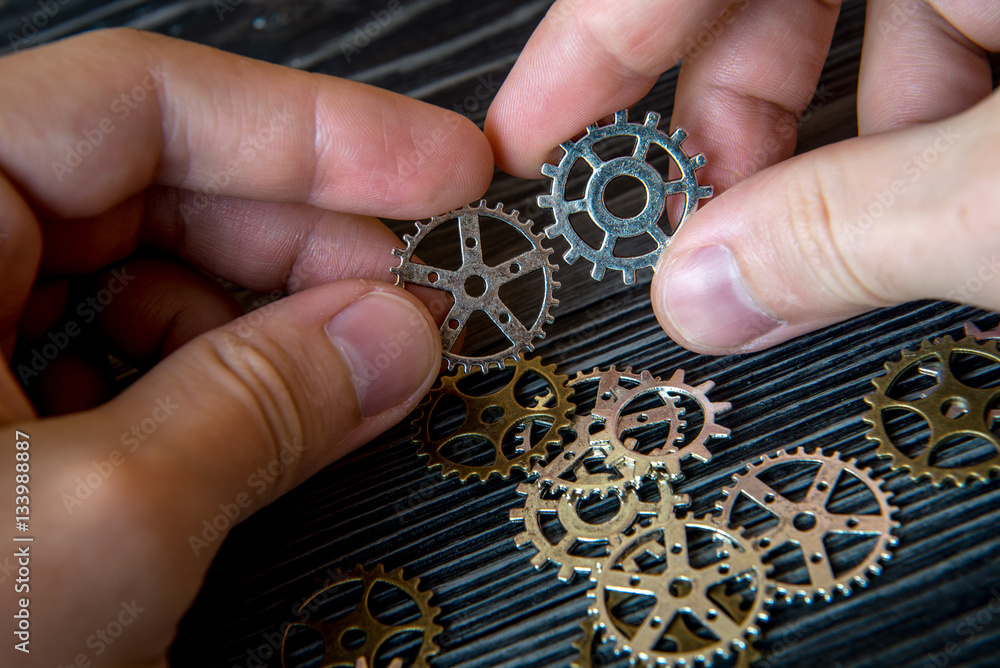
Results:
x,y
632,513
808,522
554,409
950,409
685,593
361,619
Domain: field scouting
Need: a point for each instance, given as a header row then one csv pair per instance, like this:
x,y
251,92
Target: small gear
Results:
x,y
574,531
979,335
493,417
708,596
475,286
362,622
580,469
668,456
809,522
605,171
950,409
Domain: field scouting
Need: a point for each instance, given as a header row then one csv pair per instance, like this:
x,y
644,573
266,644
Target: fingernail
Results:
x,y
389,347
707,300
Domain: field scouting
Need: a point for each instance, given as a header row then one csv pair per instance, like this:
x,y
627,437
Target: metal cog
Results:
x,y
568,470
361,619
553,408
807,523
689,596
492,277
951,408
979,335
605,171
632,513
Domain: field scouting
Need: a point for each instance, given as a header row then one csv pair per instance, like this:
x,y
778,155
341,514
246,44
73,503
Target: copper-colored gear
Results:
x,y
685,593
361,619
971,329
553,409
808,522
951,408
632,513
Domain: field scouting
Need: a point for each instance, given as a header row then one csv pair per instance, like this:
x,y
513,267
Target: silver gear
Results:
x,y
494,277
636,166
540,500
684,592
808,522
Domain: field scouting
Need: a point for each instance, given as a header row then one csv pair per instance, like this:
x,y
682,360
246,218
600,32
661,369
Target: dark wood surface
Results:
x,y
939,594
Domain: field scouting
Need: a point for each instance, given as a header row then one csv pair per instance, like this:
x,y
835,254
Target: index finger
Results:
x,y
586,60
92,120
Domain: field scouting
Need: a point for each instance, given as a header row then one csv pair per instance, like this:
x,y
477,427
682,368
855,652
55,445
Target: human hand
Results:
x,y
265,176
791,244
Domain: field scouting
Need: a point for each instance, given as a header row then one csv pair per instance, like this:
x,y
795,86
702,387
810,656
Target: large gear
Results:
x,y
704,608
362,622
668,456
950,408
809,521
493,417
605,171
575,531
475,286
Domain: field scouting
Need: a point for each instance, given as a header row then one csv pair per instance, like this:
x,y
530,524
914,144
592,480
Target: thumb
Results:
x,y
142,490
868,222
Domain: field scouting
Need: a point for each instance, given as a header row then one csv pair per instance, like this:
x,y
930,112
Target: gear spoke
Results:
x,y
674,188
715,618
526,263
427,276
453,325
817,560
823,484
764,496
508,323
861,524
472,251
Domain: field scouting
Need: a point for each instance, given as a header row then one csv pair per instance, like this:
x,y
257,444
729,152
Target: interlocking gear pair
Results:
x,y
475,286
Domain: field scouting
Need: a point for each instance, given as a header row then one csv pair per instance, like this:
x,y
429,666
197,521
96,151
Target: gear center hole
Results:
x,y
475,286
680,587
804,521
955,408
353,639
625,196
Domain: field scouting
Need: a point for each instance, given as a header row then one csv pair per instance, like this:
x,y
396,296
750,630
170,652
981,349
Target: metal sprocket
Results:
x,y
492,277
688,596
951,408
362,619
552,408
808,522
575,530
604,171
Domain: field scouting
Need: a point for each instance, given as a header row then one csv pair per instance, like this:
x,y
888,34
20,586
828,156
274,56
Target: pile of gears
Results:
x,y
668,587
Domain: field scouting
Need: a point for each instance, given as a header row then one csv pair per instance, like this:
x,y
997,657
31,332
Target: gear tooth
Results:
x,y
565,573
550,171
679,135
652,119
597,273
621,116
570,256
698,161
628,276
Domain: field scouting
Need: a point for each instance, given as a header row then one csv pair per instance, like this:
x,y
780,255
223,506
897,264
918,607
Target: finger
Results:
x,y
918,66
83,134
868,222
746,83
588,59
148,308
226,424
20,251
